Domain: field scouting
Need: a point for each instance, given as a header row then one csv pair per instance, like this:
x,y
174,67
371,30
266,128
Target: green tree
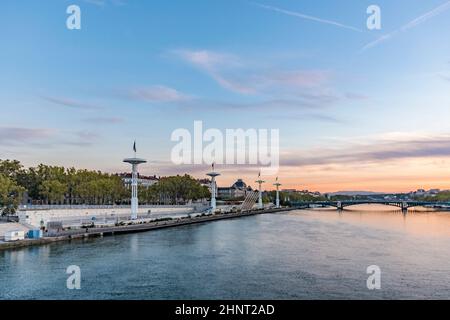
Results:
x,y
10,195
443,196
58,185
10,168
286,198
53,191
179,189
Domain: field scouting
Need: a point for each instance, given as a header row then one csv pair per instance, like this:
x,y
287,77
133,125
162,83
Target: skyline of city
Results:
x,y
356,109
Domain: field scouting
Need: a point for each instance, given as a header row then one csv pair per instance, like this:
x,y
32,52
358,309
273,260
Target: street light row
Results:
x,y
213,174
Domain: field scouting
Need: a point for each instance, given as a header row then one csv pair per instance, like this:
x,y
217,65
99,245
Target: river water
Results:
x,y
306,254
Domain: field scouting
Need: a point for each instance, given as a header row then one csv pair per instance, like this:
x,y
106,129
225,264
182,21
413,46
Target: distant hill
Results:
x,y
355,193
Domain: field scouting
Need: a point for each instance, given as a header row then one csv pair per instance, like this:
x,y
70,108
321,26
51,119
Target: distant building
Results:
x,y
238,190
302,192
145,181
289,190
422,193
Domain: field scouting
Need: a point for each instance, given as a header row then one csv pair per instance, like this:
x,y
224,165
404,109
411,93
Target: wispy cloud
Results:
x,y
81,138
239,76
158,94
313,103
384,149
411,24
356,96
307,117
14,135
45,137
87,135
357,163
104,120
208,59
71,103
213,64
272,89
297,78
307,17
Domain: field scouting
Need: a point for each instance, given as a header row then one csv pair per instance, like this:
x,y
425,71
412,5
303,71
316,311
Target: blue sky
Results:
x,y
141,69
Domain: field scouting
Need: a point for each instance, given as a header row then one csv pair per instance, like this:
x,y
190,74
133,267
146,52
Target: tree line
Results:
x,y
287,198
174,190
443,196
53,185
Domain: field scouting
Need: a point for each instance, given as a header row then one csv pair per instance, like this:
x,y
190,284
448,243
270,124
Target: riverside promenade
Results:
x,y
131,228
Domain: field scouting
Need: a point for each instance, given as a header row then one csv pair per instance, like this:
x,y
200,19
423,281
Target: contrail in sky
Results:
x,y
306,17
413,23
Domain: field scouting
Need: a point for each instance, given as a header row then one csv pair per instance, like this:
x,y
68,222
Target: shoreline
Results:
x,y
134,228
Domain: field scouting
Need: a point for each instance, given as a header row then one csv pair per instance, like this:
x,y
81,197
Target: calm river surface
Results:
x,y
315,254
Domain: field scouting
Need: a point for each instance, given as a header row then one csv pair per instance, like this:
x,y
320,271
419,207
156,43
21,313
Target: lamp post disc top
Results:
x,y
134,160
213,174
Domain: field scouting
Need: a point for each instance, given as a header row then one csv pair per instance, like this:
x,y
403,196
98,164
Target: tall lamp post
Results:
x,y
135,162
277,201
213,176
260,182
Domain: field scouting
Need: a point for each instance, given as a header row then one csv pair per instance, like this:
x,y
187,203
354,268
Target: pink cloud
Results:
x,y
158,94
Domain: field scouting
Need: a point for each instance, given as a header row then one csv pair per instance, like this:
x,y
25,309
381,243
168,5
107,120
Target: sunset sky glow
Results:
x,y
356,109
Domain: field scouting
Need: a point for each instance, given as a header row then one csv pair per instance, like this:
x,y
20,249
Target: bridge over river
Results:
x,y
340,205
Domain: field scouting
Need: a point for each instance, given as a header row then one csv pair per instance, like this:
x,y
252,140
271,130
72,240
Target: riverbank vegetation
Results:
x,y
174,190
286,198
443,196
58,185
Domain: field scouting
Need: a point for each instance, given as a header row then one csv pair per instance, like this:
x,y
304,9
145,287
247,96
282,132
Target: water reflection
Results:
x,y
305,254
418,221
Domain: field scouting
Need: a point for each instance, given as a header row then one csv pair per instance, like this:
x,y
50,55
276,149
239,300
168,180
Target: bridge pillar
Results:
x,y
340,206
404,206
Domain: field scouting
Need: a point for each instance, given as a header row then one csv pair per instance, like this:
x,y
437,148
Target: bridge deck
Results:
x,y
342,204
